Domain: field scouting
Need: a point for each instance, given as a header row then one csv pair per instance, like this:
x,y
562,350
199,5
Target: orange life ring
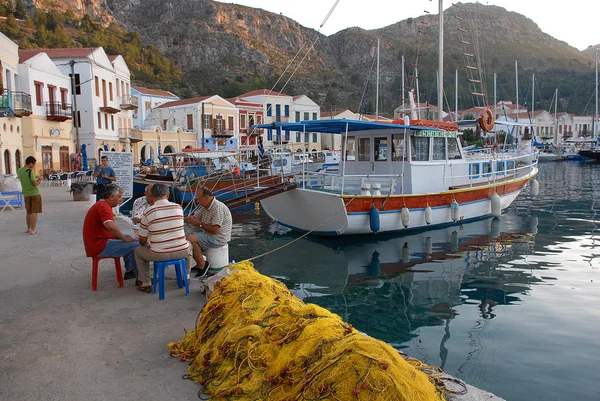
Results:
x,y
195,150
486,120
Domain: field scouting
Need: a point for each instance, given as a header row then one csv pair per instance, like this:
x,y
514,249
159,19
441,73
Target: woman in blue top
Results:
x,y
104,175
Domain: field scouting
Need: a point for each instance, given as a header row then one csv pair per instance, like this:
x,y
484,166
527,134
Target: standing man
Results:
x,y
101,235
162,228
104,175
31,193
215,220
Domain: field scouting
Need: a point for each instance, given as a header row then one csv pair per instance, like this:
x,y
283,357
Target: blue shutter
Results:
x,y
287,135
277,110
286,110
269,134
269,109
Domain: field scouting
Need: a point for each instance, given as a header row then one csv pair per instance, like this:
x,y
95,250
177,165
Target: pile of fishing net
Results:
x,y
254,340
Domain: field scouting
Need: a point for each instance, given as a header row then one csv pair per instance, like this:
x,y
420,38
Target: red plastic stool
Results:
x,y
95,261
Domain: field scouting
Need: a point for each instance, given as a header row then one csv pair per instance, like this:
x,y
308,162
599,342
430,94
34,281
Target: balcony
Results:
x,y
222,133
109,110
15,104
129,102
58,111
282,119
134,135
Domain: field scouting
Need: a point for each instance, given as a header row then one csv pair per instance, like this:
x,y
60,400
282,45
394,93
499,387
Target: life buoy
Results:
x,y
446,126
195,150
486,120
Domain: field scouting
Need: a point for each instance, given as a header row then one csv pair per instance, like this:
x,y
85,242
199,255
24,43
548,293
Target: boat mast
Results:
x,y
377,89
532,104
440,89
596,116
555,112
456,95
517,88
402,99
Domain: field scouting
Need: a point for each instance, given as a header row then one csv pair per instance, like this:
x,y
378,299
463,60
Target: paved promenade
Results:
x,y
61,341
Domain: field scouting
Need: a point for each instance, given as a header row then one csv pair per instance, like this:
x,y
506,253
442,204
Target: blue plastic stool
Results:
x,y
159,276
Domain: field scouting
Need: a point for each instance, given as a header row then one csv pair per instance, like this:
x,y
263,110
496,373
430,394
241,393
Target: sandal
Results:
x,y
147,289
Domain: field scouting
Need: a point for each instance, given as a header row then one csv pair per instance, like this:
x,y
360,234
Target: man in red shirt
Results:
x,y
101,235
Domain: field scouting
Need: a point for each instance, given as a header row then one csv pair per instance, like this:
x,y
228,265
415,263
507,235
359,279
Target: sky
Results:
x,y
574,21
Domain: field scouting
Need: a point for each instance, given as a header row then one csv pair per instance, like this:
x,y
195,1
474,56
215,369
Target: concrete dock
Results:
x,y
61,341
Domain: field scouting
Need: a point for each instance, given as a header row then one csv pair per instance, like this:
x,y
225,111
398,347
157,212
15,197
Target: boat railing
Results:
x,y
522,165
383,184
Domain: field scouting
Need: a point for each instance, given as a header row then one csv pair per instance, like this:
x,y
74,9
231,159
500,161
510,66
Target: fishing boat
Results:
x,y
323,160
425,180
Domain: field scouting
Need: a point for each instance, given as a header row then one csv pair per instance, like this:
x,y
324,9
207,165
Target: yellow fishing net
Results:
x,y
255,340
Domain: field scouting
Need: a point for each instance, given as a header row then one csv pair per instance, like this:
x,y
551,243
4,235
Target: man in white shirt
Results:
x,y
141,204
161,236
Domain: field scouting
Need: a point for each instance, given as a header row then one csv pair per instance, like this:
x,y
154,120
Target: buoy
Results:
x,y
405,216
496,205
374,219
495,228
373,268
454,241
257,207
428,217
405,253
428,246
535,187
454,210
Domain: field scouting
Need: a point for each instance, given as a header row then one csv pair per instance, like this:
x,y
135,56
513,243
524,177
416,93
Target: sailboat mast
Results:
x,y
495,101
456,95
596,116
533,103
555,111
440,91
377,89
402,98
517,88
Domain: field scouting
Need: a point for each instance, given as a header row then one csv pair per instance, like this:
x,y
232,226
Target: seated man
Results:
x,y
141,204
215,220
162,227
101,235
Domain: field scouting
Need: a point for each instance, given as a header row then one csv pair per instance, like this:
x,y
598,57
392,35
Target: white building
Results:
x,y
14,104
334,142
148,99
102,102
48,132
305,109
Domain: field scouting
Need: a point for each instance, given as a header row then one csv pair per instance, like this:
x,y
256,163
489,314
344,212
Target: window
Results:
x,y
277,110
118,88
453,149
207,121
487,169
251,120
286,110
439,148
510,166
219,125
110,91
419,148
348,148
147,106
190,122
398,154
269,134
298,137
39,95
314,116
242,121
306,137
164,125
297,116
380,149
474,170
63,96
306,116
500,167
112,122
78,119
97,82
259,119
230,123
269,110
105,120
364,149
51,97
99,120
314,138
77,84
287,135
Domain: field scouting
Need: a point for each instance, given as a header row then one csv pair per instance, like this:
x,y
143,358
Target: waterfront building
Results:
x,y
250,114
48,132
305,109
14,104
147,100
334,142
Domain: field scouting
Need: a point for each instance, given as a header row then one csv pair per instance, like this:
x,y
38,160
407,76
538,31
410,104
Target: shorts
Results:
x,y
206,240
33,204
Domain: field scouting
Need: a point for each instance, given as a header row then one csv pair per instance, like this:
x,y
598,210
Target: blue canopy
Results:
x,y
334,126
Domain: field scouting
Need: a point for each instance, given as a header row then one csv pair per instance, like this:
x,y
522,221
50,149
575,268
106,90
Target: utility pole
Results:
x,y
202,125
75,116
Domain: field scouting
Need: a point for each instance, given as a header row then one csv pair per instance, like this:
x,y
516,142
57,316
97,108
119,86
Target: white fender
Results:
x,y
428,215
496,205
405,216
535,187
454,210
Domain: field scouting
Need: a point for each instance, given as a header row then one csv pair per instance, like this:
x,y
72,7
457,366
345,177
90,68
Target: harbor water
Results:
x,y
510,305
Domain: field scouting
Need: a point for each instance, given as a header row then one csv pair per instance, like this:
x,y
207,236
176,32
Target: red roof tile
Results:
x,y
184,102
76,52
153,92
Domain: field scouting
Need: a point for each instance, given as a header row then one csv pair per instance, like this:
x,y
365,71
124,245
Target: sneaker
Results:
x,y
202,272
129,275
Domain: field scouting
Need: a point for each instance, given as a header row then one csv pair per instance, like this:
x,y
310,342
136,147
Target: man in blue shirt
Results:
x,y
104,175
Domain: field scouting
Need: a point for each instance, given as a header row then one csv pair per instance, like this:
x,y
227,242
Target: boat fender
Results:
x,y
375,189
257,207
405,253
405,217
374,223
454,210
364,189
428,216
535,187
496,205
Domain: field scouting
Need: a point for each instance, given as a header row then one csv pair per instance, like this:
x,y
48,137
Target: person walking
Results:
x,y
104,175
31,193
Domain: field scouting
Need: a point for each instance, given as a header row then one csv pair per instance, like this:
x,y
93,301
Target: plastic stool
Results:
x,y
159,276
95,260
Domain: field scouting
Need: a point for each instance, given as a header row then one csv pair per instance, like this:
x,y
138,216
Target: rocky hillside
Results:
x,y
229,49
